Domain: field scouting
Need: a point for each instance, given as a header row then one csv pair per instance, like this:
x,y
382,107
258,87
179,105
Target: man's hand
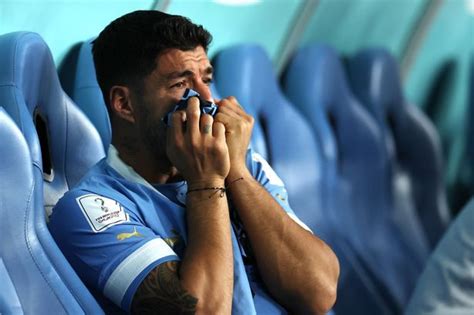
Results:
x,y
196,145
238,129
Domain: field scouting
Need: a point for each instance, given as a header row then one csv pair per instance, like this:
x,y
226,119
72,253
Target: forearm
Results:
x,y
298,268
206,269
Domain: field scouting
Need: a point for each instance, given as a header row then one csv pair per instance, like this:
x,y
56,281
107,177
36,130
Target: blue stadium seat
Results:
x,y
246,72
415,150
35,277
257,141
80,83
315,82
30,91
62,142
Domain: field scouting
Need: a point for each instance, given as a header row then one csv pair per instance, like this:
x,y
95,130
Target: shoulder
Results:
x,y
100,187
97,202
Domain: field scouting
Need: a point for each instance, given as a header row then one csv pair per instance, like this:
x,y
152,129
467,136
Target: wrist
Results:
x,y
236,171
208,187
236,174
206,182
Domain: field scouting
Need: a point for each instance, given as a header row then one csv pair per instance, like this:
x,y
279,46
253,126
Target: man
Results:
x,y
182,217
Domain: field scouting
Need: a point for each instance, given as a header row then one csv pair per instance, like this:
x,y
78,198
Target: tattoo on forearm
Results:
x,y
162,293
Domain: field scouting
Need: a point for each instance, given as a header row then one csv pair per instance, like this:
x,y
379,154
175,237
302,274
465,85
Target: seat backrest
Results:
x,y
258,141
416,152
30,91
246,72
36,277
315,81
80,83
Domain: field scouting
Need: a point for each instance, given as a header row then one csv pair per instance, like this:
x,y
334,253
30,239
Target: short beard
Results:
x,y
153,133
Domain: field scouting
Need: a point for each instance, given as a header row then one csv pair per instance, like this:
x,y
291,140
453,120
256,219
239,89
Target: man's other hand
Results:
x,y
196,145
238,129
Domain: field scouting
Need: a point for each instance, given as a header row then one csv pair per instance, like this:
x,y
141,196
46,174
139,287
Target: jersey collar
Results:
x,y
127,172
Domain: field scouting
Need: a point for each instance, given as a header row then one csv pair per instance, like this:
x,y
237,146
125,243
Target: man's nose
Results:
x,y
203,90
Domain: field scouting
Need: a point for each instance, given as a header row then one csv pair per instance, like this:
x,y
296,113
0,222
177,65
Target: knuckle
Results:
x,y
211,147
176,116
206,118
224,102
193,114
217,124
218,116
193,101
250,119
194,144
193,107
217,148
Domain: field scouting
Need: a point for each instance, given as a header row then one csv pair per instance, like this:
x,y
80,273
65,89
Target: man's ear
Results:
x,y
121,103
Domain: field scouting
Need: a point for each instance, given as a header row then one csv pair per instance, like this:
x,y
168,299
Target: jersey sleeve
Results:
x,y
107,244
268,178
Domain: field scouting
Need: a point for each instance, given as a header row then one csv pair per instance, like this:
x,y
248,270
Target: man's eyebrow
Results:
x,y
178,74
186,73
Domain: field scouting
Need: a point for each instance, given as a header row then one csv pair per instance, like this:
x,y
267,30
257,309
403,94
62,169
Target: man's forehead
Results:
x,y
173,60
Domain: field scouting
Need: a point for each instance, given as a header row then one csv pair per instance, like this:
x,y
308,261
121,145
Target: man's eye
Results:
x,y
208,81
179,85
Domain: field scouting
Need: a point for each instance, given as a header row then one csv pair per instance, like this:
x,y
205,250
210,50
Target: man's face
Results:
x,y
176,70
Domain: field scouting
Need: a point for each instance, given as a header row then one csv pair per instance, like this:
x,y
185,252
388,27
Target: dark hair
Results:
x,y
125,51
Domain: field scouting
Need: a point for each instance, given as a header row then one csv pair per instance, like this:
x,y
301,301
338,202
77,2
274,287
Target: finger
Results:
x,y
232,123
231,102
176,128
230,111
218,130
231,108
226,120
206,124
193,114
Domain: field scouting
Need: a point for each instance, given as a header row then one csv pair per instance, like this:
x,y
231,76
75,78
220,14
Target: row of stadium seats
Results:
x,y
361,165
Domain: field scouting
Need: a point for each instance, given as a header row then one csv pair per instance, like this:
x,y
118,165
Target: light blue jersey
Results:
x,y
115,227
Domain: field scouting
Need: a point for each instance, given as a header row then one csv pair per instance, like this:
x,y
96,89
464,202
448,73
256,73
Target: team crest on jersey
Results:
x,y
101,212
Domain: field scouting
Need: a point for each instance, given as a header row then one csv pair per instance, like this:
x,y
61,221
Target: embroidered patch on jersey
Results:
x,y
101,212
267,169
